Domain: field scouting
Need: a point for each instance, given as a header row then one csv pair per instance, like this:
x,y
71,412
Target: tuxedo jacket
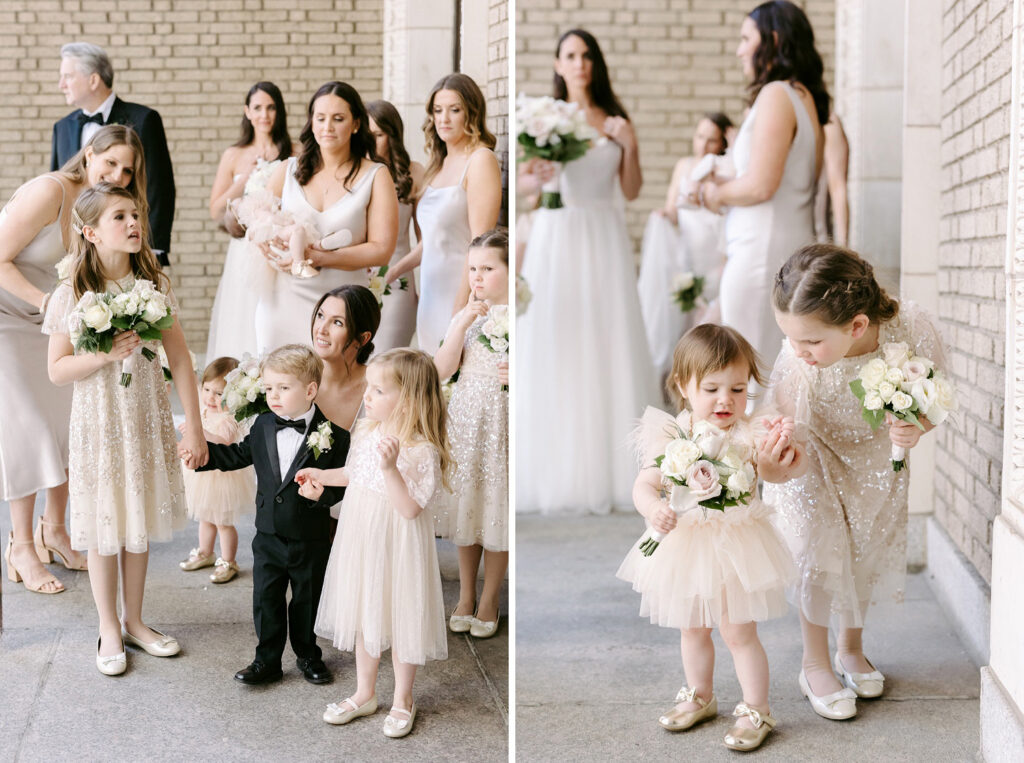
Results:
x,y
279,507
67,134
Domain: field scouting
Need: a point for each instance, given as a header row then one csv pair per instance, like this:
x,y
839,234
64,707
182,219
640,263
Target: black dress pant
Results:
x,y
278,562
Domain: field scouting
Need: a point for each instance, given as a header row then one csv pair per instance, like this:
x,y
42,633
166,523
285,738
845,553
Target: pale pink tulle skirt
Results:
x,y
220,497
732,565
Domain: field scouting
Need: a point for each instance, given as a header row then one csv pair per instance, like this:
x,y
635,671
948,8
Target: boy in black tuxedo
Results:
x,y
292,533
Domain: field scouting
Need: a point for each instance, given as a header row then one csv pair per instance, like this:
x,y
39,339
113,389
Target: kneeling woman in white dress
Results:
x,y
681,238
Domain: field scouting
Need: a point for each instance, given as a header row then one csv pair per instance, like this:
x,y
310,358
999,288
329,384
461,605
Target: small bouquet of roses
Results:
x,y
554,130
97,318
686,291
63,268
379,285
905,385
494,331
244,395
523,295
704,468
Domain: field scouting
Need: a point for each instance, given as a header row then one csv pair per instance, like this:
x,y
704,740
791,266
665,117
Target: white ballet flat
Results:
x,y
460,623
114,665
164,646
484,629
348,710
837,706
866,685
399,727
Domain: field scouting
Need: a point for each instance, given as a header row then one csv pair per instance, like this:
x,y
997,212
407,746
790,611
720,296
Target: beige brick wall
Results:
x,y
193,61
975,128
670,61
497,88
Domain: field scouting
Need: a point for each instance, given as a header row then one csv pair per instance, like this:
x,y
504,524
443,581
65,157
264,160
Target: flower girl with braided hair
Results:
x,y
125,477
727,568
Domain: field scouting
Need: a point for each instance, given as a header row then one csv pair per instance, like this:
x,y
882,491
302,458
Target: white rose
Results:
x,y
945,393
154,311
895,376
901,401
703,480
873,401
233,401
895,353
376,285
886,390
499,344
923,391
738,483
64,267
251,394
873,373
709,438
679,456
914,369
682,281
97,317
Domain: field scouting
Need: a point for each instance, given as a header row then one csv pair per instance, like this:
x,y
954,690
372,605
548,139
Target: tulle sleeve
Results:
x,y
918,330
651,434
420,467
172,301
789,387
58,310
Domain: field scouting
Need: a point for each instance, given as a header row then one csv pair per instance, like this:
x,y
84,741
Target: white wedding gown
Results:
x,y
583,370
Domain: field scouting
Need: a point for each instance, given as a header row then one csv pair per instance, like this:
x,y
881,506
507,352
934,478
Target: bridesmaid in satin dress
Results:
x,y
778,155
398,313
461,200
34,414
338,184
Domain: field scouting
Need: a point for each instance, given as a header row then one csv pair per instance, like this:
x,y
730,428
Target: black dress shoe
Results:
x,y
258,673
314,670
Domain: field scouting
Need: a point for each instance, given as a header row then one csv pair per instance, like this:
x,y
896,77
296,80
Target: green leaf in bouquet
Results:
x,y
874,418
149,333
910,416
164,323
858,389
123,322
105,342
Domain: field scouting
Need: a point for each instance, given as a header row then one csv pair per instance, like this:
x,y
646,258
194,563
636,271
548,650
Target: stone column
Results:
x,y
1002,681
419,38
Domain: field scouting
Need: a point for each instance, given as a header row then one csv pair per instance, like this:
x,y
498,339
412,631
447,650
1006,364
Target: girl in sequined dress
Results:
x,y
382,588
125,478
846,519
727,569
476,519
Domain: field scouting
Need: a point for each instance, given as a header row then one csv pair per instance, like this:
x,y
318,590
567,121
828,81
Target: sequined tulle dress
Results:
x,y
478,434
124,475
383,579
845,520
730,562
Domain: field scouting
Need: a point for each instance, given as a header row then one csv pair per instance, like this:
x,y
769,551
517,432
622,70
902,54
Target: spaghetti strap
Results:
x,y
465,170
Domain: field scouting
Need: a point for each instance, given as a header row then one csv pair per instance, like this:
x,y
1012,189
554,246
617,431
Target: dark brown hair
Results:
x,y
362,315
833,284
279,130
218,369
723,123
705,349
476,120
361,145
495,238
390,123
601,92
787,52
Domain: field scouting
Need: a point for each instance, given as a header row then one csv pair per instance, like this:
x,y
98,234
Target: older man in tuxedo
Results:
x,y
87,79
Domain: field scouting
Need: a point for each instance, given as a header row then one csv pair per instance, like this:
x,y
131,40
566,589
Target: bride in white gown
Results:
x,y
681,238
584,372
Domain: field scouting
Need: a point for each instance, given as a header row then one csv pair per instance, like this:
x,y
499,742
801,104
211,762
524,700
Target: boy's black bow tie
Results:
x,y
97,118
297,424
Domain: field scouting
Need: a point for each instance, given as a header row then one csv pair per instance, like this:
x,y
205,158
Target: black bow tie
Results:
x,y
97,118
298,424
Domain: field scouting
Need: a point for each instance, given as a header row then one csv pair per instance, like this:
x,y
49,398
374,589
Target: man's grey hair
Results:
x,y
92,59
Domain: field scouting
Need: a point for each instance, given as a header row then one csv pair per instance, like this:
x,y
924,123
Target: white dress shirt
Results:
x,y
91,128
290,440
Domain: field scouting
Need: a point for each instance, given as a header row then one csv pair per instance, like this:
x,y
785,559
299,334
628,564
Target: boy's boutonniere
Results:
x,y
321,440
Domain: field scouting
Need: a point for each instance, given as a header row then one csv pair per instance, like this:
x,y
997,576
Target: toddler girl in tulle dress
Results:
x,y
727,568
382,588
217,499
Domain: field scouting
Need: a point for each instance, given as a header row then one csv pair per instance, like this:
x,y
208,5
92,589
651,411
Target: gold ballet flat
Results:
x,y
744,739
680,720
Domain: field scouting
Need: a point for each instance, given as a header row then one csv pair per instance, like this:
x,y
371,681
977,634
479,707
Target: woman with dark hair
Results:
x,y
584,371
398,313
244,168
35,233
337,184
681,239
778,154
461,199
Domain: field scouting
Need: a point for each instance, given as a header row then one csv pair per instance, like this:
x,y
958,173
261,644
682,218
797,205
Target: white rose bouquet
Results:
x,y
380,287
553,130
905,385
244,395
686,291
704,468
63,268
321,440
494,331
523,295
97,318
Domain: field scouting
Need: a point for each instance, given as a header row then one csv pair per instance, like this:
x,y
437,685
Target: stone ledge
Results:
x,y
960,591
1002,727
